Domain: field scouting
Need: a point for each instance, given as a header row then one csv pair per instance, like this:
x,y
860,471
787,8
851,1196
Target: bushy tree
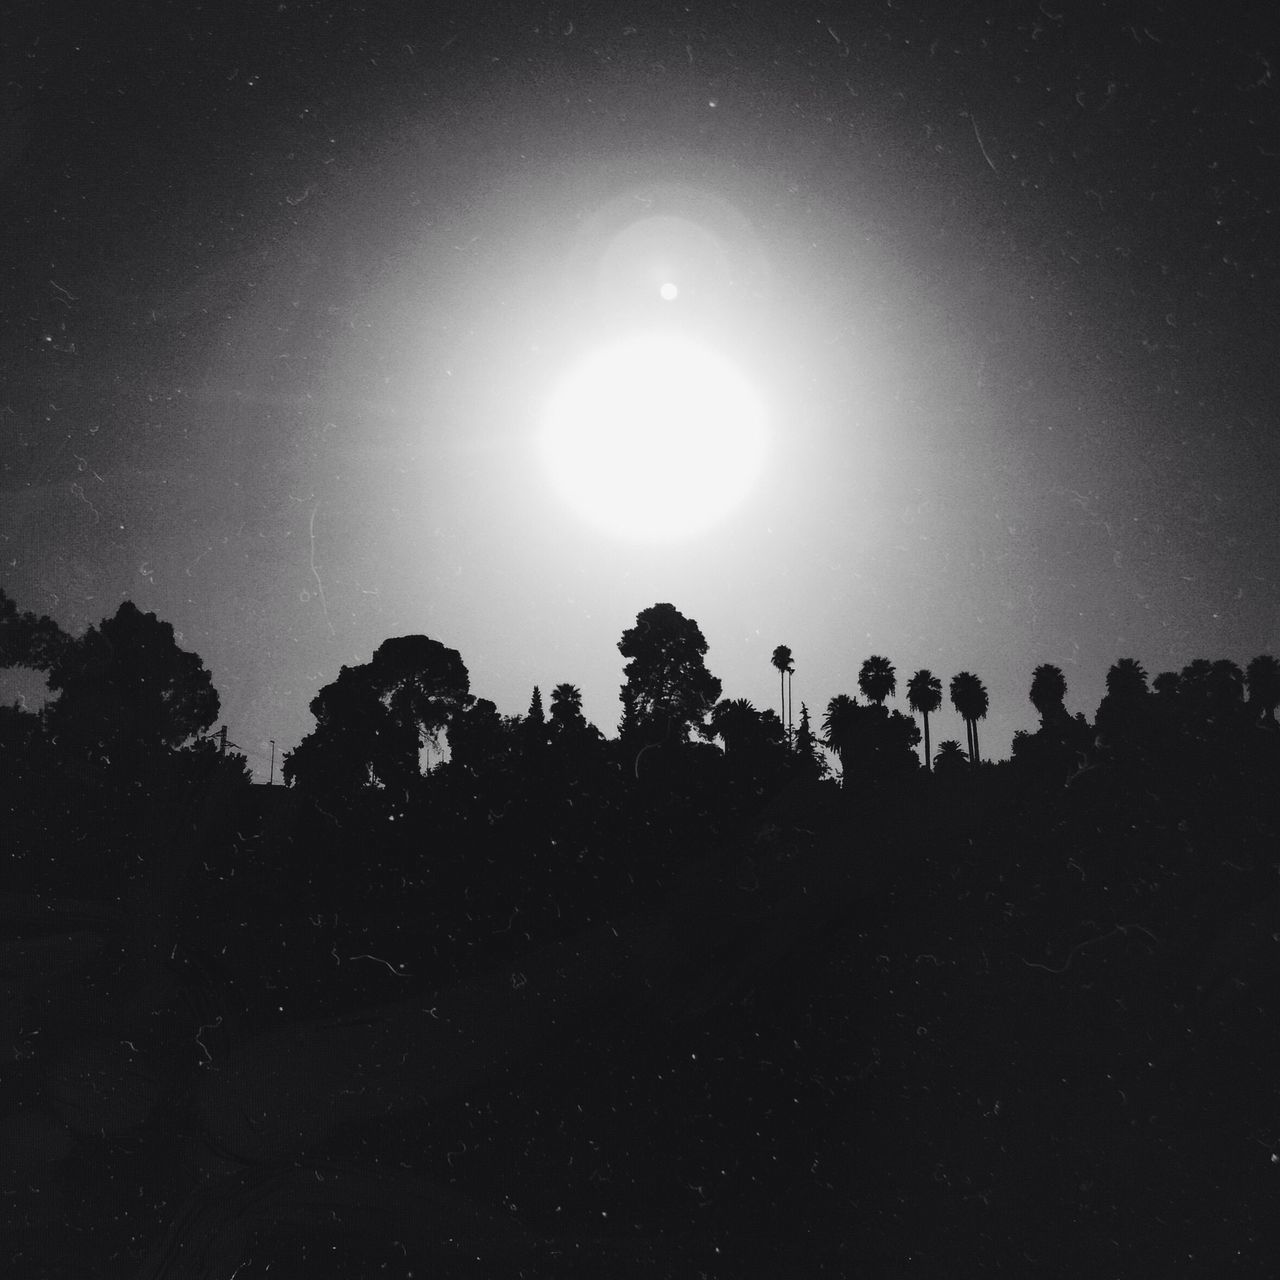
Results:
x,y
668,688
29,640
373,721
126,689
872,742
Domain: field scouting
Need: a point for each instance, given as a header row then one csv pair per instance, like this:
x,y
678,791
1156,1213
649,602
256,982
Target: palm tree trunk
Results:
x,y
928,760
968,737
790,708
782,693
977,755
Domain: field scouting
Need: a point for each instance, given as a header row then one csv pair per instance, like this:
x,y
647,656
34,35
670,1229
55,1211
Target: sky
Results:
x,y
286,288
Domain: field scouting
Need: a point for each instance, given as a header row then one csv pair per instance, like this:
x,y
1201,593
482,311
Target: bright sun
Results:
x,y
654,438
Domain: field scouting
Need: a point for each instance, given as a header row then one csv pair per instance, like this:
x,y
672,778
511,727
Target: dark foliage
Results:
x,y
668,688
714,998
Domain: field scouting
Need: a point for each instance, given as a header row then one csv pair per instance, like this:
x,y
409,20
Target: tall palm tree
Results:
x,y
1263,675
969,697
924,696
1048,692
877,679
784,666
840,725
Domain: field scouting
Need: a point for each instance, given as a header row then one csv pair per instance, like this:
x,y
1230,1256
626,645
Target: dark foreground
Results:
x,y
1031,1044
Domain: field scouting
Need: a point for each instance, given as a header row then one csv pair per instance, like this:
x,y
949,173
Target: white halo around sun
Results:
x,y
669,291
654,438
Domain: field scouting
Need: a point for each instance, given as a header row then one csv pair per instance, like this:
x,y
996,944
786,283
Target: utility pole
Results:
x,y
271,777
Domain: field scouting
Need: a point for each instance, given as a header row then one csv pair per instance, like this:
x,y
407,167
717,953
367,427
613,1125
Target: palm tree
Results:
x,y
877,679
567,720
1263,675
924,696
969,697
1127,679
736,721
1226,688
950,758
1048,690
839,725
784,666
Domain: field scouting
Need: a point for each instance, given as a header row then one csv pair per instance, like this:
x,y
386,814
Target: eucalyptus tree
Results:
x,y
924,696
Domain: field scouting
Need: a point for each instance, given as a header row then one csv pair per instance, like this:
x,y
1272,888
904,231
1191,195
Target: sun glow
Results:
x,y
654,438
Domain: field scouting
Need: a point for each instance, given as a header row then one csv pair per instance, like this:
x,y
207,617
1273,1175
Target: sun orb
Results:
x,y
654,438
669,292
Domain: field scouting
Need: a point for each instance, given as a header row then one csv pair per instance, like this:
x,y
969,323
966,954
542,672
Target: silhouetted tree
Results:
x,y
872,742
1122,717
840,726
877,679
126,688
811,760
736,722
924,696
373,721
1263,677
668,688
534,726
1226,691
950,759
28,639
784,666
969,697
1048,692
480,740
567,723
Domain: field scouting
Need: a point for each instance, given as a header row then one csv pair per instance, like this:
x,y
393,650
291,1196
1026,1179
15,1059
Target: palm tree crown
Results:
x,y
839,725
784,666
950,757
969,697
924,696
1048,690
877,679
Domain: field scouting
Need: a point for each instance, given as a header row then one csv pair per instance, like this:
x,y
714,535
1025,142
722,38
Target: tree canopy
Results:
x,y
374,719
668,688
126,686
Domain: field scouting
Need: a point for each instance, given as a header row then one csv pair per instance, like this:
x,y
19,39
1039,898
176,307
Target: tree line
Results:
x,y
126,692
